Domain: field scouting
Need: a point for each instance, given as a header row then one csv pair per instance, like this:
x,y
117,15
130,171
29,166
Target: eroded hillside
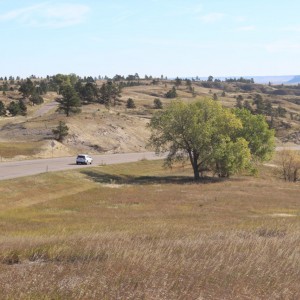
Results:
x,y
114,129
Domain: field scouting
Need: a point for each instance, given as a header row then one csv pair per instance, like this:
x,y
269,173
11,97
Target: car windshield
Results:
x,y
80,156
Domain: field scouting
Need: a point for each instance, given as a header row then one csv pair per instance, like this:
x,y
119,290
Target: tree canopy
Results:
x,y
212,137
70,101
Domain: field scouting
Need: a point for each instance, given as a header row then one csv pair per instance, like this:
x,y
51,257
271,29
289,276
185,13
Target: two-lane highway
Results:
x,y
22,168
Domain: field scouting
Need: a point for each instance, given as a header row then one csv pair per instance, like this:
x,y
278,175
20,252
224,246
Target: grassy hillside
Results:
x,y
119,129
138,231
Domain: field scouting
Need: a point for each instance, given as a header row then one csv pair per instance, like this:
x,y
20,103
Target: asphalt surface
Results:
x,y
14,169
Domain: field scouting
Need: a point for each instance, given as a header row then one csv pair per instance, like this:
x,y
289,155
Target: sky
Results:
x,y
150,37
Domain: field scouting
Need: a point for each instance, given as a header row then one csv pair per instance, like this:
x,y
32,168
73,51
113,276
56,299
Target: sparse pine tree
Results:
x,y
61,131
130,103
171,93
2,109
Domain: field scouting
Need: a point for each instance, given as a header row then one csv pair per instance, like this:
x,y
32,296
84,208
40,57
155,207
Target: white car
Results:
x,y
83,159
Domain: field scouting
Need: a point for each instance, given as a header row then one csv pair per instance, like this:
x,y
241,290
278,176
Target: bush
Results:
x,y
157,104
130,103
290,165
171,93
36,99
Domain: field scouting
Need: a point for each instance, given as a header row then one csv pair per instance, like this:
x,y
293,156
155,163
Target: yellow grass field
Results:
x,y
139,231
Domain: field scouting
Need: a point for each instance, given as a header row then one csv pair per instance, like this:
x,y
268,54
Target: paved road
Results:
x,y
22,168
288,148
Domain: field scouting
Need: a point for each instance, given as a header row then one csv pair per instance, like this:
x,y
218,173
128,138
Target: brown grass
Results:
x,y
137,231
10,150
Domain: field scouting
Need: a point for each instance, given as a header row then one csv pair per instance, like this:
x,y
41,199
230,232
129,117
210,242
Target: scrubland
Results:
x,y
139,231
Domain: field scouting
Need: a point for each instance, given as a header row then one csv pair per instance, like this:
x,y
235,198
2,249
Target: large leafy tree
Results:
x,y
70,101
209,135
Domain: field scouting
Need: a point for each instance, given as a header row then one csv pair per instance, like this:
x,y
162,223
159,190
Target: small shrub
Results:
x,y
171,93
130,103
290,165
157,103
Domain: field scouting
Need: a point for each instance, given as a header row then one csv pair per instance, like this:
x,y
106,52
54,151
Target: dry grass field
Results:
x,y
139,231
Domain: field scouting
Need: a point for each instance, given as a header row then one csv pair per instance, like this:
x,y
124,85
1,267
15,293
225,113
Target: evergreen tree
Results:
x,y
26,88
61,131
70,101
171,93
2,109
110,94
260,105
130,103
239,101
13,108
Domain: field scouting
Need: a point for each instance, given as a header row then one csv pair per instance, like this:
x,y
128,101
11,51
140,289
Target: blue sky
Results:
x,y
153,37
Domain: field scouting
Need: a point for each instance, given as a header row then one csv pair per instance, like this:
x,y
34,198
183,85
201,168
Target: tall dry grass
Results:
x,y
140,232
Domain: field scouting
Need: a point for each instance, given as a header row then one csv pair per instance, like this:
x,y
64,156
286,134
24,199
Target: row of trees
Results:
x,y
260,106
74,94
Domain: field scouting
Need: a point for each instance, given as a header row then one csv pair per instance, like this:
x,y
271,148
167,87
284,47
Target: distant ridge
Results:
x,y
285,79
294,80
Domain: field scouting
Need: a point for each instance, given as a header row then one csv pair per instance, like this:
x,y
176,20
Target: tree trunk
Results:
x,y
196,172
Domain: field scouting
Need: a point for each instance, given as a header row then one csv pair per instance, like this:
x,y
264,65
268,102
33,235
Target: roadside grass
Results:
x,y
139,231
13,149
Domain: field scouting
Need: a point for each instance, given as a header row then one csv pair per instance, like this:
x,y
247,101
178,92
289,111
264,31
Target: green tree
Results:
x,y
36,98
22,107
13,108
205,133
239,101
260,105
26,88
70,101
61,131
171,93
88,92
256,132
130,103
110,94
268,108
2,109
